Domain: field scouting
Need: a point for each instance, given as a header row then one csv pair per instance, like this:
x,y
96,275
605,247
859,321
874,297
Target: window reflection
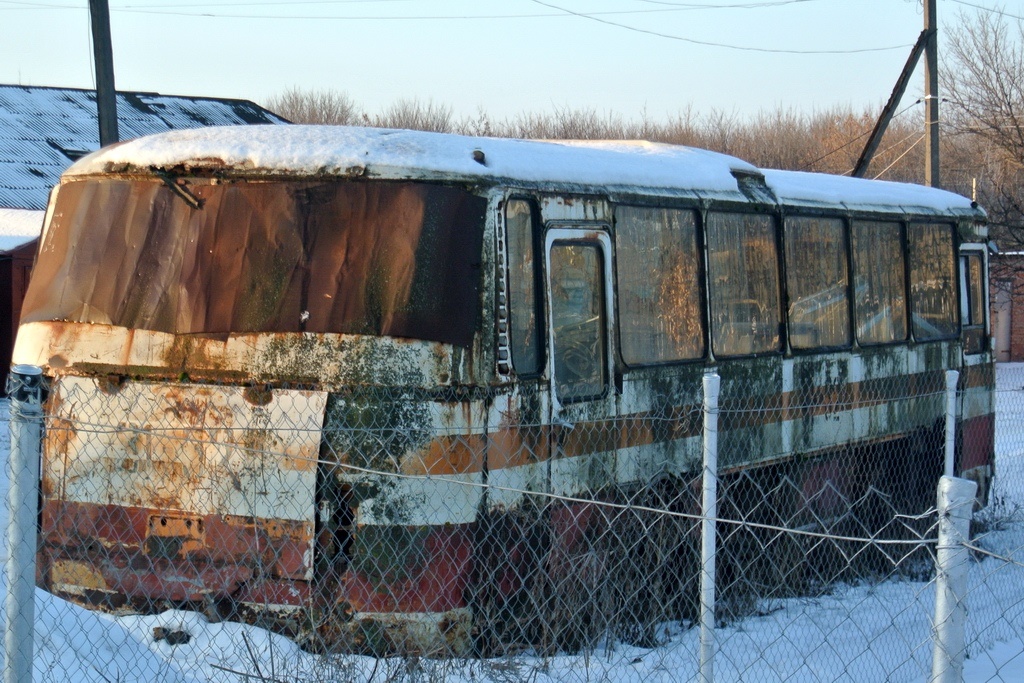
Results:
x,y
577,318
932,285
816,278
878,282
744,283
658,273
972,298
525,334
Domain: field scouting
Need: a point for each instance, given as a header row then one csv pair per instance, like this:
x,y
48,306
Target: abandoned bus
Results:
x,y
355,382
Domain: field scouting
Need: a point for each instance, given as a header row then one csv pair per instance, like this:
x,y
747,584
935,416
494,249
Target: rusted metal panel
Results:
x,y
331,360
189,472
197,448
386,259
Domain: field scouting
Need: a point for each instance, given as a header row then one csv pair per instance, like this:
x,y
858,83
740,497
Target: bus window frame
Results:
x,y
539,283
983,329
955,247
783,331
702,283
904,243
851,330
594,234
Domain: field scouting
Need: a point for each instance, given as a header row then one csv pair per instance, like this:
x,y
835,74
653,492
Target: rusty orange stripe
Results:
x,y
519,445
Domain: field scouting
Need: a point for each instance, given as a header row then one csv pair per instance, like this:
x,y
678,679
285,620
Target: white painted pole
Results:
x,y
955,502
951,379
25,388
712,383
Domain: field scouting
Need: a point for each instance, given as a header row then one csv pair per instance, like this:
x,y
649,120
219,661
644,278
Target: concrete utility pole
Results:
x,y
931,96
106,95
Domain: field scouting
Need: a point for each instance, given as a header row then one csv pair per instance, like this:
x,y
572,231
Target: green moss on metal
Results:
x,y
342,361
750,430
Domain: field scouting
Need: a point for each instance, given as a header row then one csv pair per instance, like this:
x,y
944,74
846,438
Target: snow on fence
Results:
x,y
576,556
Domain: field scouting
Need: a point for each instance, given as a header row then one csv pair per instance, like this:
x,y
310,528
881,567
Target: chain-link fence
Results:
x,y
194,532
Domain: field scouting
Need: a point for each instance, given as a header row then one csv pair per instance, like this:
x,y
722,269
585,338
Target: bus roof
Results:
x,y
600,167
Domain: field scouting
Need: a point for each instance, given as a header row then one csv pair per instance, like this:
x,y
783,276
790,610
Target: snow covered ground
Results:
x,y
855,633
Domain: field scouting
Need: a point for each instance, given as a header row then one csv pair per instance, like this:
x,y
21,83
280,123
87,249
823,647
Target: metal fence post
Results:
x,y
955,503
25,388
709,515
952,376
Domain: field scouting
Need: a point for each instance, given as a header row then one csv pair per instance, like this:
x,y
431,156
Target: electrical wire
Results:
x,y
896,160
853,140
676,5
988,9
164,10
709,43
744,5
594,16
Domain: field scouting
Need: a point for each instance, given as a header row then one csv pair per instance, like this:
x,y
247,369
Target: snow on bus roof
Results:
x,y
608,166
818,189
386,153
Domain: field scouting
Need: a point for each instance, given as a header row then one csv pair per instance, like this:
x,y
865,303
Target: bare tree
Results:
x,y
984,90
415,114
825,141
329,107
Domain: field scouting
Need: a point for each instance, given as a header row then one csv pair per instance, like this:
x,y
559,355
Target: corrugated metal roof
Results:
x,y
42,130
18,227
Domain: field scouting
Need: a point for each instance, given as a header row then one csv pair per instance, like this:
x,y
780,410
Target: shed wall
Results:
x,y
15,269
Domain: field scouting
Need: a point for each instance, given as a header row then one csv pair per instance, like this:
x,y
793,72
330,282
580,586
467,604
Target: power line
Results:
x,y
171,10
988,9
863,135
222,15
675,5
716,44
894,161
249,3
745,5
898,143
669,6
595,16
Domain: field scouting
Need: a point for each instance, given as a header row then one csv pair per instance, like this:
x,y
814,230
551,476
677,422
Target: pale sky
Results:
x,y
502,56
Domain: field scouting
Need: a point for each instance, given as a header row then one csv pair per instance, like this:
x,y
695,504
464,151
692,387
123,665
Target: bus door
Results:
x,y
973,298
977,409
584,432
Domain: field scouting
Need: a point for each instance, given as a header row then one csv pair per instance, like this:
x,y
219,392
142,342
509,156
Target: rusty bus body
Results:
x,y
326,370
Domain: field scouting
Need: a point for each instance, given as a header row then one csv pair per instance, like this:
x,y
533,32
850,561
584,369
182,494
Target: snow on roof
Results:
x,y
585,166
385,153
18,227
817,189
42,130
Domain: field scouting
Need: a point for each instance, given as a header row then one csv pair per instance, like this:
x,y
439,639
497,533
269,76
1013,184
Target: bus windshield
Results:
x,y
212,257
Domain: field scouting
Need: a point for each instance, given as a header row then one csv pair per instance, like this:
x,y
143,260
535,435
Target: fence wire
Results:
x,y
192,532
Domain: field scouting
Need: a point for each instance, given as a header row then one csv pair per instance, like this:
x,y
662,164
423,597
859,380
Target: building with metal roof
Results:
x,y
43,130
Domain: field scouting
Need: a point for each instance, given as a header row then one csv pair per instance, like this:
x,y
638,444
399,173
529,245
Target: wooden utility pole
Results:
x,y
890,107
106,95
931,96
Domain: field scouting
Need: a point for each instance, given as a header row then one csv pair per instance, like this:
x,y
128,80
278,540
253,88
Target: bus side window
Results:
x,y
578,320
744,276
659,285
932,281
972,300
816,279
525,333
879,287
